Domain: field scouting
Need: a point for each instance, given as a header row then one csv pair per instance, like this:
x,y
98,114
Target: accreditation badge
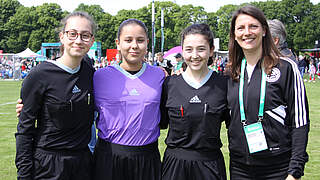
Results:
x,y
256,139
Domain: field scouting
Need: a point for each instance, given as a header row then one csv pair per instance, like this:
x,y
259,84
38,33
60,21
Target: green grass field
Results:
x,y
9,93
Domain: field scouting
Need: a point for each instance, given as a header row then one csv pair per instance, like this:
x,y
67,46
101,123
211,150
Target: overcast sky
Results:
x,y
113,6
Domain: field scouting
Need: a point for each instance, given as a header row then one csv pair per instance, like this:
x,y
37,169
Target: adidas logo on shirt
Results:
x,y
76,89
134,92
195,99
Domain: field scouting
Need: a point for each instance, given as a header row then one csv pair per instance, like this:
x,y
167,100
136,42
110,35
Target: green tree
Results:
x,y
176,18
185,16
105,26
106,33
298,25
316,21
168,9
95,11
212,21
224,16
29,27
45,28
17,30
7,9
22,27
171,36
271,9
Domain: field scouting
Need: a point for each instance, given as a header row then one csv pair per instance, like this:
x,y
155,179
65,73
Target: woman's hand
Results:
x,y
290,177
164,70
19,107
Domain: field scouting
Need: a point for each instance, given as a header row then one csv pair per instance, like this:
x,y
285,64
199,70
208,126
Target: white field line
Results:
x,y
7,103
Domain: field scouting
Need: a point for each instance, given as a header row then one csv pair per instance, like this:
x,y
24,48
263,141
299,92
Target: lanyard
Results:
x,y
262,93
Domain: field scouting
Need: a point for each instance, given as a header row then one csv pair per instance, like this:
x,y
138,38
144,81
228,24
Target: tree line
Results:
x,y
22,27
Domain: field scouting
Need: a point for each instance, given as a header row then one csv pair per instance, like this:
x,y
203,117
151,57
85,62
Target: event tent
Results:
x,y
27,53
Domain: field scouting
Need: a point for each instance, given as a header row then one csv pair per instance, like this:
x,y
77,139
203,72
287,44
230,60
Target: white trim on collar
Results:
x,y
195,84
64,67
131,76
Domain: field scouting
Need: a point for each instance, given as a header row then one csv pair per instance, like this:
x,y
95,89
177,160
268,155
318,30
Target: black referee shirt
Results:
x,y
57,113
194,115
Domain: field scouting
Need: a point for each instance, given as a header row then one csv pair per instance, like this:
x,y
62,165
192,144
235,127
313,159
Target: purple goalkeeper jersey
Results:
x,y
129,105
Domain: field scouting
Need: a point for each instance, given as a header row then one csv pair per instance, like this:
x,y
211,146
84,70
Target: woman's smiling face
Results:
x,y
196,51
249,33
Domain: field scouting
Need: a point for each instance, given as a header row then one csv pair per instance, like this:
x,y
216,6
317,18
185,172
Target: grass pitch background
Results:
x,y
10,90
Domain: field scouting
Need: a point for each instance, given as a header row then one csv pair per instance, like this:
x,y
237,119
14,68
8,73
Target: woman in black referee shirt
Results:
x,y
269,125
194,105
54,126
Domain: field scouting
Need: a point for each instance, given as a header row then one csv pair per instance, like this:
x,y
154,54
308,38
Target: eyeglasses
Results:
x,y
73,35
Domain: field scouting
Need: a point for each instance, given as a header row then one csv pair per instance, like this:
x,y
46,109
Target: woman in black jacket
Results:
x,y
268,131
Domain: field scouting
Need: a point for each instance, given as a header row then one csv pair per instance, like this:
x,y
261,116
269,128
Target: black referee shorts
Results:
x,y
239,171
180,164
119,162
62,165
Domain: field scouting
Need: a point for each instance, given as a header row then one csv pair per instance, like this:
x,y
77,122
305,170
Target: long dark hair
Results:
x,y
270,52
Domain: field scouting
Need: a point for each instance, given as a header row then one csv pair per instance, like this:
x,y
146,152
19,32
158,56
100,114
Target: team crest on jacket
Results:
x,y
274,76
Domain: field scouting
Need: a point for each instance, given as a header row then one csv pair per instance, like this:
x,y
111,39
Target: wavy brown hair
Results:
x,y
270,53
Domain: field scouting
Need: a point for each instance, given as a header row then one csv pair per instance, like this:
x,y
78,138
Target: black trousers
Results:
x,y
62,165
119,162
180,164
239,171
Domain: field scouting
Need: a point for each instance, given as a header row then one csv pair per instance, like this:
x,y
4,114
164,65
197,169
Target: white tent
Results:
x,y
27,53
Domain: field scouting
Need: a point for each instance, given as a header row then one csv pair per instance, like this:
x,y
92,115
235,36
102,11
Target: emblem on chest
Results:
x,y
195,100
274,76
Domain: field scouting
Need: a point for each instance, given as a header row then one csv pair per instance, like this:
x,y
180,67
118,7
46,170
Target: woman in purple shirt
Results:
x,y
127,97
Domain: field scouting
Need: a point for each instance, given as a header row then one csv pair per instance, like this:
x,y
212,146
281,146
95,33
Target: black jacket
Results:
x,y
285,121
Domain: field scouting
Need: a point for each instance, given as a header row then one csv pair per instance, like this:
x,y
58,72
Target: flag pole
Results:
x,y
153,30
162,29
